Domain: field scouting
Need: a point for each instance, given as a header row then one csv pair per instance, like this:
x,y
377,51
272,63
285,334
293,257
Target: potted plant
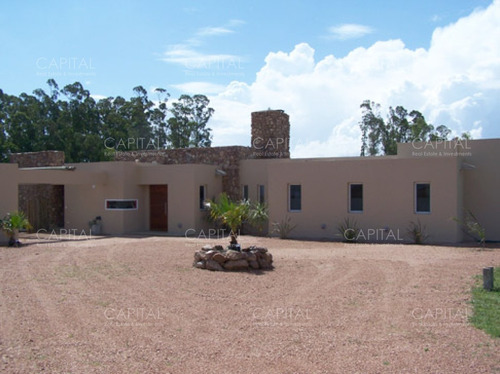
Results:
x,y
12,224
95,225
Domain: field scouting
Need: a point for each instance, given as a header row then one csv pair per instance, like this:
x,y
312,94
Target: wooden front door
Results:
x,y
158,207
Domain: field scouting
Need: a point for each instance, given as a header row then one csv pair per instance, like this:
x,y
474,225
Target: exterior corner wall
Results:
x,y
481,183
8,192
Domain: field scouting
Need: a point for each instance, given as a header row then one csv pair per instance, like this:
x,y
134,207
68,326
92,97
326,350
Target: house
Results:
x,y
163,190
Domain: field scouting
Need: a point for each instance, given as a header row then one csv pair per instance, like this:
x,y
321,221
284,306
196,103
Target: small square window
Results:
x,y
422,197
295,198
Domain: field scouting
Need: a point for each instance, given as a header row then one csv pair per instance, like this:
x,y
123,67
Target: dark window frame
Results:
x,y
245,192
261,193
202,196
422,192
121,204
294,199
359,201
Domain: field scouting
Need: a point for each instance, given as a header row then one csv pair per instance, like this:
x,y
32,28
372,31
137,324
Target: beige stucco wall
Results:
x,y
466,180
388,194
254,173
183,193
482,184
8,192
90,184
479,177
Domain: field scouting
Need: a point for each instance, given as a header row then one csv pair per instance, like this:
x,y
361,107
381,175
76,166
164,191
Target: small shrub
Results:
x,y
12,224
472,227
418,232
349,230
258,216
284,227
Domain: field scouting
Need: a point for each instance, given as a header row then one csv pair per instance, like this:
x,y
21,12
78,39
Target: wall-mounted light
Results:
x,y
220,172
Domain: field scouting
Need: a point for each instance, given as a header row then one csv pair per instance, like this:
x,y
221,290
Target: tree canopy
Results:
x,y
379,136
69,119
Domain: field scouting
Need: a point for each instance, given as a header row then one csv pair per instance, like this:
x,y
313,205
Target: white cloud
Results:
x,y
349,31
188,56
456,82
211,31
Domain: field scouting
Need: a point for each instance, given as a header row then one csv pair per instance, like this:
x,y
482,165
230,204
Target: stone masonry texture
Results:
x,y
43,204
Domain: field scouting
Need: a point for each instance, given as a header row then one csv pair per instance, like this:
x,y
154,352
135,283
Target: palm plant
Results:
x,y
229,213
233,214
12,223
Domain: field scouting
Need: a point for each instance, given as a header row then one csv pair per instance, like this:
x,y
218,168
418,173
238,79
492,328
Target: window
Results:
x,y
121,204
355,197
261,193
422,198
203,195
245,192
294,197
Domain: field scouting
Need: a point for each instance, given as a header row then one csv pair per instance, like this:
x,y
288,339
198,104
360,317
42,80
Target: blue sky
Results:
x,y
317,61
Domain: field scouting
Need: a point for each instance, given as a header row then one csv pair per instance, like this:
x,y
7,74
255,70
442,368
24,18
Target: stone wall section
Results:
x,y
43,204
226,159
270,139
38,159
271,134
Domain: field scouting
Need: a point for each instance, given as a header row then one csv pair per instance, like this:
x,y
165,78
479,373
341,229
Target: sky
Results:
x,y
317,60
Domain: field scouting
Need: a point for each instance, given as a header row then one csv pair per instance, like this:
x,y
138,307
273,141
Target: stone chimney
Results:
x,y
270,134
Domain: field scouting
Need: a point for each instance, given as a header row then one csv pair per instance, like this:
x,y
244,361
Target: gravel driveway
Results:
x,y
136,305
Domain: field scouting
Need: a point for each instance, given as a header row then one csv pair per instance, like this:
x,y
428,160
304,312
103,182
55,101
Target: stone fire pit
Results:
x,y
217,258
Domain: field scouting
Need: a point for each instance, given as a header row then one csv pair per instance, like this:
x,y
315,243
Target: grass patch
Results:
x,y
486,307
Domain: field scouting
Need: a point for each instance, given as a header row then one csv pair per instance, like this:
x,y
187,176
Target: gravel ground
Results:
x,y
136,305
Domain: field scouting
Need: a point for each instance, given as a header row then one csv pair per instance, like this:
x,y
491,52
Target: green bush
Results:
x,y
12,223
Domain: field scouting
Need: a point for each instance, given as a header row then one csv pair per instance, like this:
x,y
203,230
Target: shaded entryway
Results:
x,y
158,207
